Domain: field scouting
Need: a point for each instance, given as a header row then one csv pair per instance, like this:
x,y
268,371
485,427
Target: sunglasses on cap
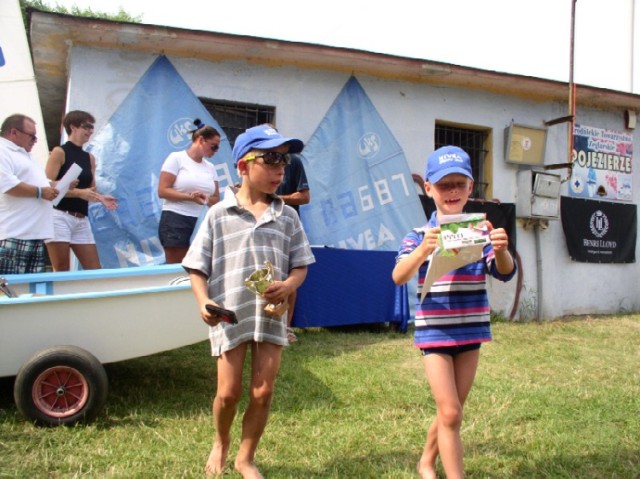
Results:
x,y
271,158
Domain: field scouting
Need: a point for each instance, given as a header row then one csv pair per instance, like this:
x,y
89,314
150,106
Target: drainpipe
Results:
x,y
539,275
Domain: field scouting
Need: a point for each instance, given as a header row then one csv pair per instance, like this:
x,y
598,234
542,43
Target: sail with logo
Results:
x,y
155,119
363,195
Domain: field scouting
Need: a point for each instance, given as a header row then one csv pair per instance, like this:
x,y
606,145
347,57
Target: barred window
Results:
x,y
474,142
234,117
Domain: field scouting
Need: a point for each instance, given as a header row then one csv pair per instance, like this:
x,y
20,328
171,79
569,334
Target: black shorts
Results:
x,y
175,230
452,351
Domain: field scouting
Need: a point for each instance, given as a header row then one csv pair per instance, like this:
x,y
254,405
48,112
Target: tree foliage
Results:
x,y
121,16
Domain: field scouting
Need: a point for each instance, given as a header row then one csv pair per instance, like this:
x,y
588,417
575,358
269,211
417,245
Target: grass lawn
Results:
x,y
558,399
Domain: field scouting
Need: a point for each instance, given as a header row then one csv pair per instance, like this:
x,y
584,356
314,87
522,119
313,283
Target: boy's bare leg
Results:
x,y
427,464
265,363
225,405
451,380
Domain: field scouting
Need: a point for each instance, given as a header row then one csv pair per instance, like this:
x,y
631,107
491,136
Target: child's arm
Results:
x,y
201,292
408,266
500,243
278,291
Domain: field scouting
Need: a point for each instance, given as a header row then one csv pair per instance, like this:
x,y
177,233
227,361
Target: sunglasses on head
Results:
x,y
271,158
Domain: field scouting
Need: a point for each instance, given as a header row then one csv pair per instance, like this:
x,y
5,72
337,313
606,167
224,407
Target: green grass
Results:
x,y
553,400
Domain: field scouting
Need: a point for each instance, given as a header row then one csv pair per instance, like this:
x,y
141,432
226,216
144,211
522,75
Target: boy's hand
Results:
x,y
498,237
277,292
207,317
430,241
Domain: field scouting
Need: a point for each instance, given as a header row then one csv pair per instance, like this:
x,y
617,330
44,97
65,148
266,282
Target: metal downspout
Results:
x,y
539,275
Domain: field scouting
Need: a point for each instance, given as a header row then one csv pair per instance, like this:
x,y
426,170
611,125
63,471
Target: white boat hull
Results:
x,y
112,324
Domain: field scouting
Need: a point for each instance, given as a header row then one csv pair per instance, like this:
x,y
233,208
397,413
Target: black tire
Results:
x,y
62,385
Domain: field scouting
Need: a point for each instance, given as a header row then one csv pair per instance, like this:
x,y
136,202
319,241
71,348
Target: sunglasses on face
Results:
x,y
33,137
87,126
451,185
214,146
272,158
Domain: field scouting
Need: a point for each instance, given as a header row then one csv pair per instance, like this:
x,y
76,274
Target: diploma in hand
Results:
x,y
461,242
258,282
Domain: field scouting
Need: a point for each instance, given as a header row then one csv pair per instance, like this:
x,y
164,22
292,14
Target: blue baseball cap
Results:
x,y
263,137
446,161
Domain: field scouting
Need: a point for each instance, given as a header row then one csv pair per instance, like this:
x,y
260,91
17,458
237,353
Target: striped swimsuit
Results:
x,y
455,312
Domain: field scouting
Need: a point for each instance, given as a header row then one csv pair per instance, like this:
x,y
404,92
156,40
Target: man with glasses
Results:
x,y
294,191
25,199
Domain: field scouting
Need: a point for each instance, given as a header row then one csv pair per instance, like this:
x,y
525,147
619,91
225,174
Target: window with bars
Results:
x,y
474,142
234,117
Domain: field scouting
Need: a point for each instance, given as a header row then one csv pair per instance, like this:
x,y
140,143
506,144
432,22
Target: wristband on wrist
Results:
x,y
39,195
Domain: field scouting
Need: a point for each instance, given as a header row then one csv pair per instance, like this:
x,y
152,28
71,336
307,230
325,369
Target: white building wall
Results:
x,y
101,79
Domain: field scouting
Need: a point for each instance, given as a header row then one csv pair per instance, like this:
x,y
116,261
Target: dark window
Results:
x,y
235,117
473,142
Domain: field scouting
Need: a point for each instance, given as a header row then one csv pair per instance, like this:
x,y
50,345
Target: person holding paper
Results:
x,y
72,230
453,320
25,199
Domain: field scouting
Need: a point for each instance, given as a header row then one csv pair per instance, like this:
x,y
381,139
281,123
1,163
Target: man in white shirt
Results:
x,y
25,199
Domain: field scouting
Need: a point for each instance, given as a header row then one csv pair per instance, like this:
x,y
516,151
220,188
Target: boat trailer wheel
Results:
x,y
61,386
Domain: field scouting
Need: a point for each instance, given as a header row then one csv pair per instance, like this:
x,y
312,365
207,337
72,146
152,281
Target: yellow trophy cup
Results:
x,y
258,282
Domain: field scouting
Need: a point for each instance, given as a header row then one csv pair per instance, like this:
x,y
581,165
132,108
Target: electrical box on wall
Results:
x,y
538,195
525,145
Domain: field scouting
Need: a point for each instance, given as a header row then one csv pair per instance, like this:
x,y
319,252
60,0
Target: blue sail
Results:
x,y
362,192
154,120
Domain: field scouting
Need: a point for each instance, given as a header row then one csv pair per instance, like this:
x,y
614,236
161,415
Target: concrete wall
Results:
x,y
100,80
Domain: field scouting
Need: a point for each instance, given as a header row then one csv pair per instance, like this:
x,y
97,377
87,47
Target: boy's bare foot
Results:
x,y
217,459
426,471
248,470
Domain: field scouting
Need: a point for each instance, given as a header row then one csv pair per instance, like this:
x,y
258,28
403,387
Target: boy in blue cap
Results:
x,y
247,228
453,321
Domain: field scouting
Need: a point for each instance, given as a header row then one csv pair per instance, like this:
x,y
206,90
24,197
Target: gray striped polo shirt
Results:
x,y
230,245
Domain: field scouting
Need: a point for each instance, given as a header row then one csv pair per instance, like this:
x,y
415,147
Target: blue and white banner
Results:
x,y
602,164
154,120
362,193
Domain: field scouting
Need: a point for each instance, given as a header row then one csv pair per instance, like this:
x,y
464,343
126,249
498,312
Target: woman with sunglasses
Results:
x,y
72,230
187,182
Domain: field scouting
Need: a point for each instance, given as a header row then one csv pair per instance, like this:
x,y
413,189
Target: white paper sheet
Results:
x,y
440,265
65,182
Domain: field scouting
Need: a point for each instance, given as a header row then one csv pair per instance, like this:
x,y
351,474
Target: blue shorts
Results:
x,y
175,230
452,351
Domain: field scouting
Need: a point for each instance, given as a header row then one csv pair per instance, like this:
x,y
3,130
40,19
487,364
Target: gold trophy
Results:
x,y
258,282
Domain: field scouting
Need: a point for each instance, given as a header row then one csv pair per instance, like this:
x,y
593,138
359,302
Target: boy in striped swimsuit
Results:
x,y
453,321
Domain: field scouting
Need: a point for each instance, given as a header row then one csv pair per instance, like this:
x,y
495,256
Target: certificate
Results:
x,y
65,182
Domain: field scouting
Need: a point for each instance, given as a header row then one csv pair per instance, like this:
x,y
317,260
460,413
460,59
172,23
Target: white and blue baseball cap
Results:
x,y
263,137
446,161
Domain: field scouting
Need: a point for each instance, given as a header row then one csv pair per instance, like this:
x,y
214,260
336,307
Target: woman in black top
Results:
x,y
72,230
